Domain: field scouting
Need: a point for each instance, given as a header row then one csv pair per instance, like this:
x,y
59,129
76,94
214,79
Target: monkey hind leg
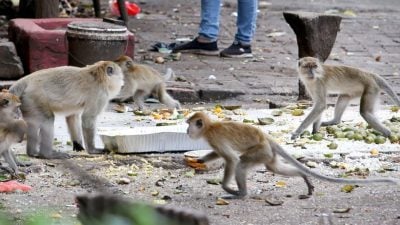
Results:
x,y
32,137
46,134
367,106
9,158
279,167
75,131
341,105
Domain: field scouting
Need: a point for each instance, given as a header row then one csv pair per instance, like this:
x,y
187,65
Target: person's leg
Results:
x,y
246,21
209,25
246,25
206,42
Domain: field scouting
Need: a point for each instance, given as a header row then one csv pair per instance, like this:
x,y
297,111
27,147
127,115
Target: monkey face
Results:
x,y
195,128
8,101
112,76
309,68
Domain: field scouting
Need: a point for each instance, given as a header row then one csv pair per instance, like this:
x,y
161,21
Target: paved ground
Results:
x,y
370,40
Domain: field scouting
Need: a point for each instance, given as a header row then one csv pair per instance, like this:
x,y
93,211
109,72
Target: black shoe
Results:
x,y
196,47
237,50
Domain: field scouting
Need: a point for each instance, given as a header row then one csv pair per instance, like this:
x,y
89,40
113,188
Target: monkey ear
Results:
x,y
199,123
110,70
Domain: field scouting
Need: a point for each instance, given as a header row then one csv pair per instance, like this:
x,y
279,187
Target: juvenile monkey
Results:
x,y
349,83
80,94
243,146
140,81
11,130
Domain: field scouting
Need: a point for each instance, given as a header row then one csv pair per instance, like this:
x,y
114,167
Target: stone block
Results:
x,y
183,94
212,93
41,43
10,63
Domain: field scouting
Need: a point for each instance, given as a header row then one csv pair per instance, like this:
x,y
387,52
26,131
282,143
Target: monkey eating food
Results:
x,y
12,130
140,81
349,83
80,94
243,146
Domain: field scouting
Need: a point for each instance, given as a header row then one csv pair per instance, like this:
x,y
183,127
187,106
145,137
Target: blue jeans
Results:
x,y
246,20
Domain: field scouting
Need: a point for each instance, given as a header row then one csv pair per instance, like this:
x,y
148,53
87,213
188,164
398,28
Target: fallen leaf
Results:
x,y
349,12
123,180
374,152
265,121
280,184
276,113
190,173
56,216
273,201
159,201
221,201
297,112
347,188
311,164
215,181
342,210
120,108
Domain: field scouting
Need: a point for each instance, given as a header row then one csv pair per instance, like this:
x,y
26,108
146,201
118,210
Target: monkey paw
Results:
x,y
97,151
53,155
294,136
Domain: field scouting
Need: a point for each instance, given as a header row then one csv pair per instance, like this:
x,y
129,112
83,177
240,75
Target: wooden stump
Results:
x,y
315,33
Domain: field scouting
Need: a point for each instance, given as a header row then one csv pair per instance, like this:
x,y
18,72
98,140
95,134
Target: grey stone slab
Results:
x,y
10,63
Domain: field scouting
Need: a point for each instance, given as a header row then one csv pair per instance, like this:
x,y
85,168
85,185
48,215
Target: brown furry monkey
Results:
x,y
349,83
140,81
80,94
12,130
243,146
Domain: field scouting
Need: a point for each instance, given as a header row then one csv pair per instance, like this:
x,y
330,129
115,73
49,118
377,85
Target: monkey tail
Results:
x,y
169,74
18,88
306,171
382,83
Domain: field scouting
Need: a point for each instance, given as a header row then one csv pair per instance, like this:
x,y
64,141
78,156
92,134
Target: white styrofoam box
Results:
x,y
149,139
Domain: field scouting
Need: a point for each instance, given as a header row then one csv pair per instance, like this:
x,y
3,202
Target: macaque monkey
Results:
x,y
140,81
243,146
349,83
80,94
12,130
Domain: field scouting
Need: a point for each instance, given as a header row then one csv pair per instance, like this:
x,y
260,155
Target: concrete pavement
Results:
x,y
369,39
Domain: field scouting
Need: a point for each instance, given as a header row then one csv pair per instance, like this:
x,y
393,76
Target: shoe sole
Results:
x,y
201,52
246,55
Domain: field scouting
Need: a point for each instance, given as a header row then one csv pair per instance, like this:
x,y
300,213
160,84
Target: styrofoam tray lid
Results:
x,y
149,139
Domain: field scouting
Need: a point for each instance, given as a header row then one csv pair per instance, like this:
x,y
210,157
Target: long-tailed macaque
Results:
x,y
80,94
140,81
243,146
12,130
349,83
